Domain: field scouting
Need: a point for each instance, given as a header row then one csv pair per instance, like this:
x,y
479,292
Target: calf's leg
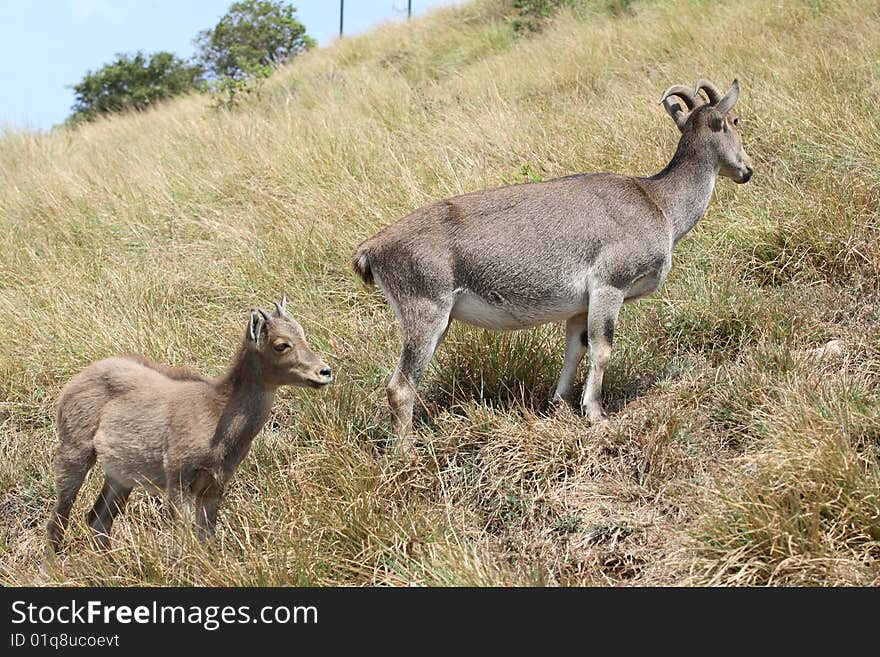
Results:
x,y
110,503
71,468
208,493
182,502
206,518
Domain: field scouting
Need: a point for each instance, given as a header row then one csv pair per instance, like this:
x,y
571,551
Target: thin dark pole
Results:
x,y
341,11
408,9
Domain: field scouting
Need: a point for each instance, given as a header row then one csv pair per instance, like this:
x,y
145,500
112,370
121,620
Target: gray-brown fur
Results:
x,y
172,430
571,249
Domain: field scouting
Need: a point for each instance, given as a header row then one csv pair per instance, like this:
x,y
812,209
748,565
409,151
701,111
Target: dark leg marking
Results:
x,y
607,333
609,330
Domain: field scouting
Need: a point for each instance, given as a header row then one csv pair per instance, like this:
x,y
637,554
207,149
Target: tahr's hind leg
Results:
x,y
423,323
110,503
604,309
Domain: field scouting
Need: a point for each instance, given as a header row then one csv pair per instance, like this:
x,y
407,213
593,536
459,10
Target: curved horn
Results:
x,y
674,109
712,92
685,93
726,104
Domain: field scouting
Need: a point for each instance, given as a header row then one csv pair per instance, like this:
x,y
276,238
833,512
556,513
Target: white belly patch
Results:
x,y
473,309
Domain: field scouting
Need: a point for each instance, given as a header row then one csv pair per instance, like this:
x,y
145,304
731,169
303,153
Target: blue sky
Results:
x,y
48,45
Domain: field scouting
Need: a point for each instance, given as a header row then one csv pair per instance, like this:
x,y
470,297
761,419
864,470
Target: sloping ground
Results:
x,y
736,455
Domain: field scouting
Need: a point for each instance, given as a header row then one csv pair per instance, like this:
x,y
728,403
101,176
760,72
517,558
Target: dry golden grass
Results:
x,y
735,455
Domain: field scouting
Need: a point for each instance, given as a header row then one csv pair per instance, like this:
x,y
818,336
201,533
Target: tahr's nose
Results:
x,y
326,372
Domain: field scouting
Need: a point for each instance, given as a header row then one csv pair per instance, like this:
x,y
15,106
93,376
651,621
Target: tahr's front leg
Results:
x,y
604,309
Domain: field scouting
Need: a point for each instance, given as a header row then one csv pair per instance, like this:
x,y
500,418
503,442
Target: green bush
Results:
x,y
532,13
134,82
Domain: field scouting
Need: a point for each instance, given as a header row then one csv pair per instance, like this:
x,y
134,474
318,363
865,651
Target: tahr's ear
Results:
x,y
256,326
726,104
715,120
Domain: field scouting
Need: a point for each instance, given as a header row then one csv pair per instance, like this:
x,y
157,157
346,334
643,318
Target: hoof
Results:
x,y
402,458
403,448
558,401
596,417
47,570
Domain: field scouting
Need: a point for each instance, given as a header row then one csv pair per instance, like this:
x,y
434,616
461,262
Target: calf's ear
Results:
x,y
256,326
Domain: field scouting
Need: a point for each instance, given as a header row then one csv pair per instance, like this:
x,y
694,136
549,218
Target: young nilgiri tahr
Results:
x,y
171,430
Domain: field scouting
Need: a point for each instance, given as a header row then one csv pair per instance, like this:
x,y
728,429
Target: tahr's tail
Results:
x,y
361,263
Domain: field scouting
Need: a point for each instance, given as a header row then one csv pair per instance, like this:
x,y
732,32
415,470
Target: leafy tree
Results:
x,y
134,83
531,14
252,37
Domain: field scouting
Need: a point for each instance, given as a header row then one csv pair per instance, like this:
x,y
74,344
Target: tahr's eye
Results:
x,y
736,120
281,347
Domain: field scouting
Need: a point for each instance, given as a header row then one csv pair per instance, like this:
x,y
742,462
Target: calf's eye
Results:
x,y
281,347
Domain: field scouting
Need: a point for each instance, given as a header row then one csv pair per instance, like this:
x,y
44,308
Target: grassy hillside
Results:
x,y
737,454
